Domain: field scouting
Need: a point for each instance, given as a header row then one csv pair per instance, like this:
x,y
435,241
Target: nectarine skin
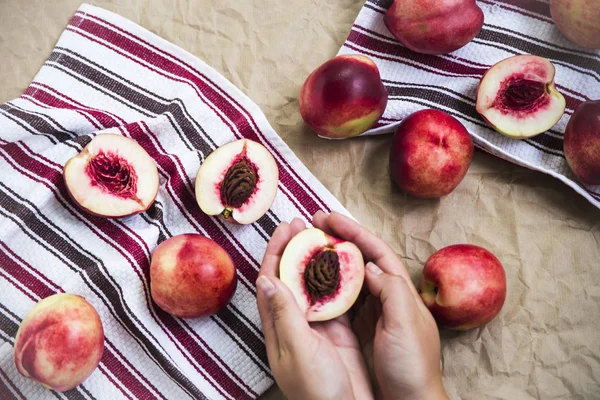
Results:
x,y
431,153
191,276
59,342
434,26
578,21
582,142
464,286
343,97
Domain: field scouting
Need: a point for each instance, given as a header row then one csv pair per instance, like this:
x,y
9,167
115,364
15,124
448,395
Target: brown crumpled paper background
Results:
x,y
546,342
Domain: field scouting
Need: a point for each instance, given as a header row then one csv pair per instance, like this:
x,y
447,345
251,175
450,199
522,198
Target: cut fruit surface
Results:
x,y
517,96
324,273
237,181
113,176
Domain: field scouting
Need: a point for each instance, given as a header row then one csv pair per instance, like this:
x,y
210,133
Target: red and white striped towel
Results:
x,y
449,83
109,74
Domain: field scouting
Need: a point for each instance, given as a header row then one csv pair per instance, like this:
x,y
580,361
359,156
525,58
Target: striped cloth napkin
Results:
x,y
449,82
109,74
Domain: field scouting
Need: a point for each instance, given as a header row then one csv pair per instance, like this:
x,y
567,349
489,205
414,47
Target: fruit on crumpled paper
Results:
x,y
324,273
578,20
344,97
582,142
238,182
464,286
517,96
430,155
191,276
59,342
434,26
112,176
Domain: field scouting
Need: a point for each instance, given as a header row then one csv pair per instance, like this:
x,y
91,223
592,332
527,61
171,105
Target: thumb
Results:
x,y
398,304
284,324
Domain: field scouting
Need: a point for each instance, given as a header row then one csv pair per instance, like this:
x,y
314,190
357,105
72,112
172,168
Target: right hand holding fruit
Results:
x,y
399,337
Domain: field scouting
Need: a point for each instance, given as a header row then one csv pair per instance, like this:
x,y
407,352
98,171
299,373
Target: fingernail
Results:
x,y
374,269
266,286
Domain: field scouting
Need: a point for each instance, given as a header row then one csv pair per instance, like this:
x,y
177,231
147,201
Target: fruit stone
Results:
x,y
517,96
434,26
343,97
464,286
191,276
578,20
113,176
59,342
324,273
237,181
582,142
431,153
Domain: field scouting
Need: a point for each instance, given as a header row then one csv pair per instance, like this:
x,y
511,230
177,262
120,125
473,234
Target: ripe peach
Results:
x,y
343,97
59,342
324,273
582,142
238,182
191,276
464,286
517,97
578,21
434,26
431,153
113,176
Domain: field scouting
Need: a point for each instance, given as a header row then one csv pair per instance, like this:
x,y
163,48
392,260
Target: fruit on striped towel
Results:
x,y
238,182
517,96
430,155
324,273
582,142
464,286
59,342
434,26
113,176
191,276
343,97
578,21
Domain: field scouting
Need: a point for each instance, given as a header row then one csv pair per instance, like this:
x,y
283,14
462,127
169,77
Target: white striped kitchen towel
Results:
x,y
449,82
109,74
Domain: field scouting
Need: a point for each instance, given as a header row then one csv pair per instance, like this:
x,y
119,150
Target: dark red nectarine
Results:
x,y
582,142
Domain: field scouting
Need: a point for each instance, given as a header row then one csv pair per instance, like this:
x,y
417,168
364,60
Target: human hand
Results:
x,y
318,360
398,335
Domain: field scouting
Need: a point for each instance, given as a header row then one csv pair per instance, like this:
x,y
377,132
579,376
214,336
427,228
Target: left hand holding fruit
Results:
x,y
320,360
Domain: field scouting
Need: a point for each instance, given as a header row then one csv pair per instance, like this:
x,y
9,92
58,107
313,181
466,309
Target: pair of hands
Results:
x,y
391,338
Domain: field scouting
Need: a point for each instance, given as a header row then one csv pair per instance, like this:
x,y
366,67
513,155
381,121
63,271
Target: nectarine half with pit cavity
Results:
x,y
517,97
344,97
191,276
238,181
59,342
464,286
324,273
113,176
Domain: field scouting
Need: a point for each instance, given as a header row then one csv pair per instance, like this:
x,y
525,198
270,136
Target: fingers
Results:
x,y
282,235
284,324
398,304
373,248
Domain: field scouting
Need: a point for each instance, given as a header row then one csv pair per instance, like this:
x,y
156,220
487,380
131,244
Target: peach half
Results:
x,y
237,181
324,273
517,97
59,342
113,176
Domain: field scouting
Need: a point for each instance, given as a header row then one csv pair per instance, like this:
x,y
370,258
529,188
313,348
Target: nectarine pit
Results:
x,y
114,174
521,94
322,274
239,183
